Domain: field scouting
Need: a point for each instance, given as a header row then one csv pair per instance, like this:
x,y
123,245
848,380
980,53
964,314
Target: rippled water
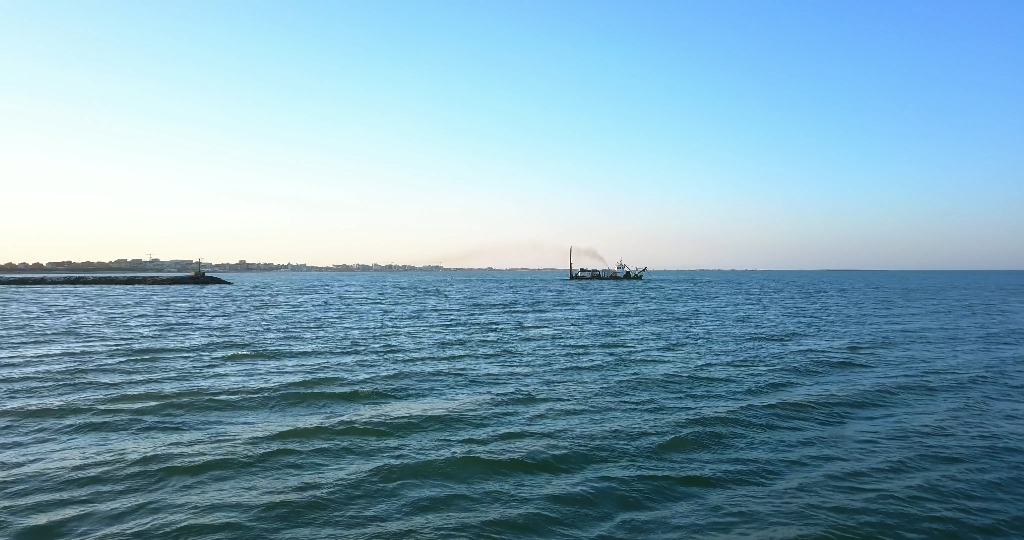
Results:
x,y
516,405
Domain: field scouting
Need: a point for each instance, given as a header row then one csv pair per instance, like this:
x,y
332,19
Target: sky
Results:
x,y
680,134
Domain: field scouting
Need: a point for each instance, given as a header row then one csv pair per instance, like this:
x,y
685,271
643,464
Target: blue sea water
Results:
x,y
516,405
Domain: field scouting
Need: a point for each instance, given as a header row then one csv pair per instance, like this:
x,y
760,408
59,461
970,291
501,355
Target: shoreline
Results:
x,y
113,280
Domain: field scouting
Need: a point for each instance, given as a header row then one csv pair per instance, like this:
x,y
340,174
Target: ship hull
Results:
x,y
609,278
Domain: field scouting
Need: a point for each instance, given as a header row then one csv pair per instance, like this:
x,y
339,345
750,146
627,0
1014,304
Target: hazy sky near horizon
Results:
x,y
675,134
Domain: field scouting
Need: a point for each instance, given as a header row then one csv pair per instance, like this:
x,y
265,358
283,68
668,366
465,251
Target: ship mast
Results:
x,y
570,262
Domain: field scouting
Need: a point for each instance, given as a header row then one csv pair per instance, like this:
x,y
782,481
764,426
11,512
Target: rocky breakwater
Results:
x,y
114,280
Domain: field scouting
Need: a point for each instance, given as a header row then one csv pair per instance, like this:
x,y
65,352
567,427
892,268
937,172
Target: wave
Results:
x,y
328,432
695,441
775,338
736,420
769,387
193,401
849,364
347,396
227,465
279,354
514,435
155,396
523,399
213,529
257,355
311,382
465,468
684,480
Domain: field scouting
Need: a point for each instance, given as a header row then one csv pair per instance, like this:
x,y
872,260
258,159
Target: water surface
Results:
x,y
516,405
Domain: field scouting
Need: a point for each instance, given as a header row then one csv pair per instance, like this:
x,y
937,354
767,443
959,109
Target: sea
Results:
x,y
703,404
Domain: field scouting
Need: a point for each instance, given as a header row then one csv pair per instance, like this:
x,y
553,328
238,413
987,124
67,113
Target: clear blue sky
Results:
x,y
675,134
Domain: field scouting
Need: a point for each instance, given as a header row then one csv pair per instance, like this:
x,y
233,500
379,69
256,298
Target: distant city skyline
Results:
x,y
796,135
187,265
155,264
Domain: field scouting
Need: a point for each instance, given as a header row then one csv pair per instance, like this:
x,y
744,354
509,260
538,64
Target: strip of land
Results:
x,y
114,280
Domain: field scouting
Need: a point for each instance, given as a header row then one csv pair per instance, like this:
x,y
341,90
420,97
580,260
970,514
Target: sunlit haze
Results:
x,y
674,134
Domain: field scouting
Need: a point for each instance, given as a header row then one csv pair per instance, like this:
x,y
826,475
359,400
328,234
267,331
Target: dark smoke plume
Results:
x,y
500,250
590,254
519,251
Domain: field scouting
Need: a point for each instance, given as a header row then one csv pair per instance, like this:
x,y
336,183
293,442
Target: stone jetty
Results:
x,y
114,280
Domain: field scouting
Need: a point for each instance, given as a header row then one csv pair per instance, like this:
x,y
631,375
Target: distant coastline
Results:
x,y
175,266
207,269
113,280
136,266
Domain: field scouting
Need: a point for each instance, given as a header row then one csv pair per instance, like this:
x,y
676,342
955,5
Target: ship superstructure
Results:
x,y
621,271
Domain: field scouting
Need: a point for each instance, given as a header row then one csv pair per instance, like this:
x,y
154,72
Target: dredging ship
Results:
x,y
622,271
